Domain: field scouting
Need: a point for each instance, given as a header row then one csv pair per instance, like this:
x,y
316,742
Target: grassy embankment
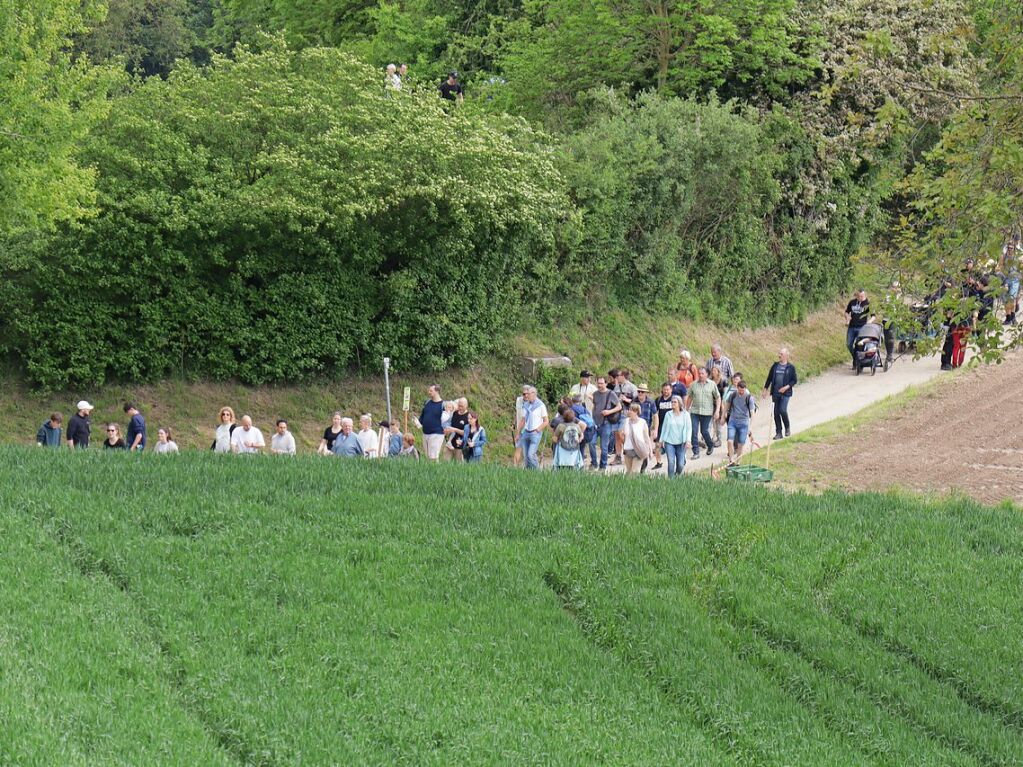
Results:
x,y
645,343
201,609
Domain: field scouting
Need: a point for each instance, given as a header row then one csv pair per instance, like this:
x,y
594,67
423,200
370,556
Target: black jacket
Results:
x,y
790,380
78,429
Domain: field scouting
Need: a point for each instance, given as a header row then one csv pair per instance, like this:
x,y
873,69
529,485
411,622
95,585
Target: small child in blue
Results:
x,y
394,439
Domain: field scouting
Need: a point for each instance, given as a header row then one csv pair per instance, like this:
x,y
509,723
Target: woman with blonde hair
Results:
x,y
226,427
638,445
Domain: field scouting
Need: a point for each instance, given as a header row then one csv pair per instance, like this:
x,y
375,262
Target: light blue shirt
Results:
x,y
677,429
347,445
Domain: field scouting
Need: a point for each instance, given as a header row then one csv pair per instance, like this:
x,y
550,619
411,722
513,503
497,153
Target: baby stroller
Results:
x,y
867,348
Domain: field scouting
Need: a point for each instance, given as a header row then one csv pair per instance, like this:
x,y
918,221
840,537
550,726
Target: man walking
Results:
x,y
704,406
780,380
741,407
80,426
531,426
720,361
346,444
584,389
857,312
430,421
282,442
247,439
136,427
607,411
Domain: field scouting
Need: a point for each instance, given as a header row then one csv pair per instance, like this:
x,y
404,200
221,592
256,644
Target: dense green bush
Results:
x,y
279,215
689,205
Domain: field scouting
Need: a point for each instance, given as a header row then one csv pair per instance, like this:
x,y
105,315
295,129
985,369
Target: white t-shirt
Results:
x,y
253,435
587,393
223,438
166,447
534,412
282,443
368,441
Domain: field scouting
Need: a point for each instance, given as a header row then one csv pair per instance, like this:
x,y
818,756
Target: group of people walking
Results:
x,y
79,431
699,407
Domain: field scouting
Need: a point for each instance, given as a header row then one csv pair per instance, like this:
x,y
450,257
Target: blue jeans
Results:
x,y
592,447
606,435
701,423
676,455
850,340
530,442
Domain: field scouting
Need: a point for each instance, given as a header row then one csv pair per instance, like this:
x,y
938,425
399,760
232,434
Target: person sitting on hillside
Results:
x,y
408,447
474,438
49,433
330,434
225,430
114,441
164,442
346,444
368,437
247,439
283,441
720,362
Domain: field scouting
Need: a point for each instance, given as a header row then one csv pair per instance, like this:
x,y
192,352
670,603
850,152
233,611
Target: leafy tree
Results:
x,y
147,35
560,49
280,215
48,105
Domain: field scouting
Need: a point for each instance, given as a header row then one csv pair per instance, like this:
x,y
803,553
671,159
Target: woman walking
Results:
x,y
329,435
780,381
638,445
676,431
226,427
164,443
114,440
474,437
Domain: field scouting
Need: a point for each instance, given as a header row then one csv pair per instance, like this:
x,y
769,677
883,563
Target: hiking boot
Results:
x,y
788,433
710,451
946,367
658,466
777,435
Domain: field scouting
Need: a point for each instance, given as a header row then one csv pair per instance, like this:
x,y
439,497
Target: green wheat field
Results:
x,y
204,610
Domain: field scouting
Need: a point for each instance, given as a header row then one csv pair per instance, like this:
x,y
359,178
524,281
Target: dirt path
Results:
x,y
836,393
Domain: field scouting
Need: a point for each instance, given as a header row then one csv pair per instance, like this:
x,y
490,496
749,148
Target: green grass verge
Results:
x,y
321,611
644,342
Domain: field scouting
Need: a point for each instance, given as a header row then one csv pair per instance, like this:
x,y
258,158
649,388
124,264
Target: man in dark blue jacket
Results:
x,y
780,381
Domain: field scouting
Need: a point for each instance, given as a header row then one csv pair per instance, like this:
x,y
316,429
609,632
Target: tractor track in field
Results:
x,y
90,565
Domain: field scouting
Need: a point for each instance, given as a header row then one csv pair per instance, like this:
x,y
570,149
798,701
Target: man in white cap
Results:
x,y
79,426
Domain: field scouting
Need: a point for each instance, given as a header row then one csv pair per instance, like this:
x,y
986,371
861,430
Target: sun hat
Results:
x,y
643,387
84,405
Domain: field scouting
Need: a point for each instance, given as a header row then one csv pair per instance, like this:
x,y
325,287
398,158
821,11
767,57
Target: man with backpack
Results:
x,y
740,409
